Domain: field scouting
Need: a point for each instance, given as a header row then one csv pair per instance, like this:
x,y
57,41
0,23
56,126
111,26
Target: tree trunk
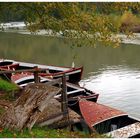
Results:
x,y
29,106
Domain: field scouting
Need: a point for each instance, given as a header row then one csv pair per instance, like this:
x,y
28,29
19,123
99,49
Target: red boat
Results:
x,y
109,121
73,74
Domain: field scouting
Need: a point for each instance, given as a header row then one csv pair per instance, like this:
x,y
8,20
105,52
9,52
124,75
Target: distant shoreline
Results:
x,y
20,27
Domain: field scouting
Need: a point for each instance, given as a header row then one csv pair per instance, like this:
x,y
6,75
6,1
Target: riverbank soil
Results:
x,y
5,102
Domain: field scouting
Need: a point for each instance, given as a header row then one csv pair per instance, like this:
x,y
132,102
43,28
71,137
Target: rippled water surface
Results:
x,y
119,87
114,73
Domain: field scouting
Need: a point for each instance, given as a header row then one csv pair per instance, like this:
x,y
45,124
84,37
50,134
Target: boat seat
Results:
x,y
71,92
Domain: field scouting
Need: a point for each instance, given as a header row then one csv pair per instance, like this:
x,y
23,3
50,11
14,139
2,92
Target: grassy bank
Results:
x,y
6,97
7,90
45,132
7,86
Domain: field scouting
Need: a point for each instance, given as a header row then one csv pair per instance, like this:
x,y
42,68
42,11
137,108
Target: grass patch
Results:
x,y
8,89
46,133
7,86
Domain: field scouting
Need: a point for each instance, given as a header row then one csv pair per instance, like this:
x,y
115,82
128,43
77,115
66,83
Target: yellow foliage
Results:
x,y
129,19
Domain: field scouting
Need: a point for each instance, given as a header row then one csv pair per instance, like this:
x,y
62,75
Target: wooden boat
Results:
x,y
109,121
23,79
54,72
6,63
74,92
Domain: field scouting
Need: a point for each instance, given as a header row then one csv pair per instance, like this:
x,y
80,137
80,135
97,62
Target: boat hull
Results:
x,y
109,121
74,74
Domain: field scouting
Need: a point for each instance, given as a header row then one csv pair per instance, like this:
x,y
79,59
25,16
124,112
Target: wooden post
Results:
x,y
64,100
36,77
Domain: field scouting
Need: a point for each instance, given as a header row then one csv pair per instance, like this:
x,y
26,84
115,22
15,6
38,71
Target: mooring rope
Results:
x,y
73,103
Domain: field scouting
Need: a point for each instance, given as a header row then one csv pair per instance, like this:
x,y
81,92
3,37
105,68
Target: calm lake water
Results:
x,y
114,73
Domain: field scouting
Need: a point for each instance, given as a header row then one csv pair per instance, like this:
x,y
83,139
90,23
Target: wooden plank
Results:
x,y
43,66
36,76
54,110
64,100
50,83
52,120
71,92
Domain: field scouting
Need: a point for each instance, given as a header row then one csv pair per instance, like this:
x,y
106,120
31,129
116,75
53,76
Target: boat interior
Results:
x,y
71,89
5,63
21,67
113,124
106,126
48,70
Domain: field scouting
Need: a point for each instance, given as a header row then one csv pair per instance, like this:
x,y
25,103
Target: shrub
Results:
x,y
128,21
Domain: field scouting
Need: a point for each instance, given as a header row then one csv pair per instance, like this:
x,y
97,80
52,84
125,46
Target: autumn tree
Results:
x,y
83,23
